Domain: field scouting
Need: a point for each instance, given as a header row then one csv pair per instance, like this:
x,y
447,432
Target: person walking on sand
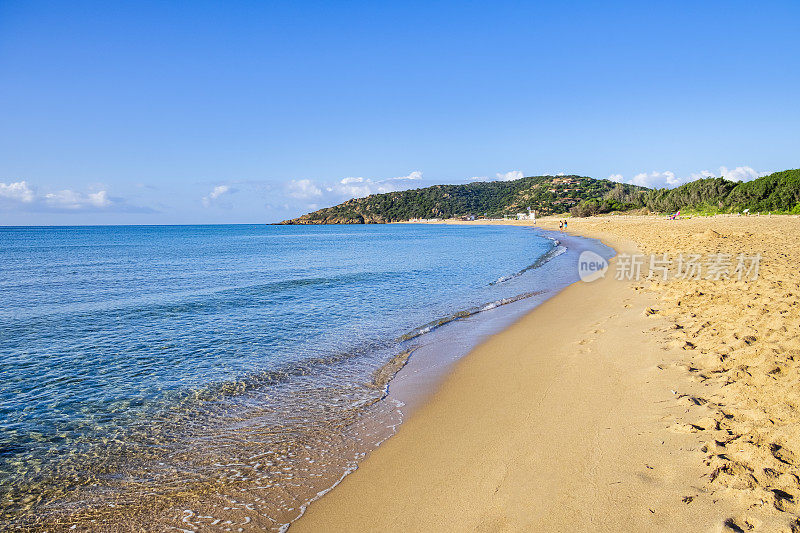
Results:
x,y
565,225
560,225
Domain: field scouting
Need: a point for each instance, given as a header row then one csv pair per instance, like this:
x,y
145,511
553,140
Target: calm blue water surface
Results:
x,y
101,326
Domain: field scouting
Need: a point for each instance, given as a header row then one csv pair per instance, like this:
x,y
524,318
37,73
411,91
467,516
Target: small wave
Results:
x,y
555,251
430,326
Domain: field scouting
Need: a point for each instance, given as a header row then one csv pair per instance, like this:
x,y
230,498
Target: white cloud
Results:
x,y
510,176
218,191
703,174
416,175
303,189
17,191
501,176
741,173
359,187
656,180
349,187
669,180
69,199
99,199
23,197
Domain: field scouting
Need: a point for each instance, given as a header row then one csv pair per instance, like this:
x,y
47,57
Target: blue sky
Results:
x,y
212,112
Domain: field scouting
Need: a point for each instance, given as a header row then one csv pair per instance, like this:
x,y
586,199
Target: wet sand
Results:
x,y
615,406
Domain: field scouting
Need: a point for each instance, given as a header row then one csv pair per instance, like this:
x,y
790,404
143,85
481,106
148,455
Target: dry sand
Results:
x,y
615,406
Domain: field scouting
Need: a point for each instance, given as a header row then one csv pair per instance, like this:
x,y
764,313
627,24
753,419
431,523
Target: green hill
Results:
x,y
581,196
545,194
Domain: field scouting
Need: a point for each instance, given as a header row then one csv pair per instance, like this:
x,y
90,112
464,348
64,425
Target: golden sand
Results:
x,y
643,405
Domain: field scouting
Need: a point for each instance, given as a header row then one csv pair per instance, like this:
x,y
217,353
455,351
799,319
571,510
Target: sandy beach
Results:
x,y
618,405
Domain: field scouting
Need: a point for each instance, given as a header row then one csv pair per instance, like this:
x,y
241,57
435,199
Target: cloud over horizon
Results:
x,y
69,199
266,197
347,188
668,179
19,195
303,189
17,191
501,176
215,194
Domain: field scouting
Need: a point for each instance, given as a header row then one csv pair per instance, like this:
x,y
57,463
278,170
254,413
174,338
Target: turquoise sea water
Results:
x,y
122,349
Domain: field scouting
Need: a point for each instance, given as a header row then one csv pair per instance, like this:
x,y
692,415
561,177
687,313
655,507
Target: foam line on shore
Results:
x,y
434,324
554,252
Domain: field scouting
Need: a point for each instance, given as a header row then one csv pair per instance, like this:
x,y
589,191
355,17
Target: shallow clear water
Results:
x,y
133,359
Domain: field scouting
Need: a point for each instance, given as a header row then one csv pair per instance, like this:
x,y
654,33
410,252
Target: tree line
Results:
x,y
777,193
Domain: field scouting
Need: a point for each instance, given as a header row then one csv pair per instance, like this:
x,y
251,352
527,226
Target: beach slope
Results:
x,y
556,424
615,406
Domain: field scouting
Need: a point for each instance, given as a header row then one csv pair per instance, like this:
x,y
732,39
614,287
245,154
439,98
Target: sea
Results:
x,y
221,378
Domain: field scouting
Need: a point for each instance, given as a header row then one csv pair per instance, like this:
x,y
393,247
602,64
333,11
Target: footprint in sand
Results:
x,y
740,524
678,427
781,454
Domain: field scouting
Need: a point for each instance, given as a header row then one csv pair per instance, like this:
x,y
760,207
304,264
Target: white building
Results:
x,y
530,215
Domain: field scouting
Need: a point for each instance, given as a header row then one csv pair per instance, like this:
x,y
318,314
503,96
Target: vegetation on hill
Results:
x,y
582,196
776,193
544,194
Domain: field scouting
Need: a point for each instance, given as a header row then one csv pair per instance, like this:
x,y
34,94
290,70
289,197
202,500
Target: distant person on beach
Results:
x,y
565,224
560,225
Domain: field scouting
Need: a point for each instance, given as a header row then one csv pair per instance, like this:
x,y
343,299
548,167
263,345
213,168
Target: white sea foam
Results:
x,y
557,250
